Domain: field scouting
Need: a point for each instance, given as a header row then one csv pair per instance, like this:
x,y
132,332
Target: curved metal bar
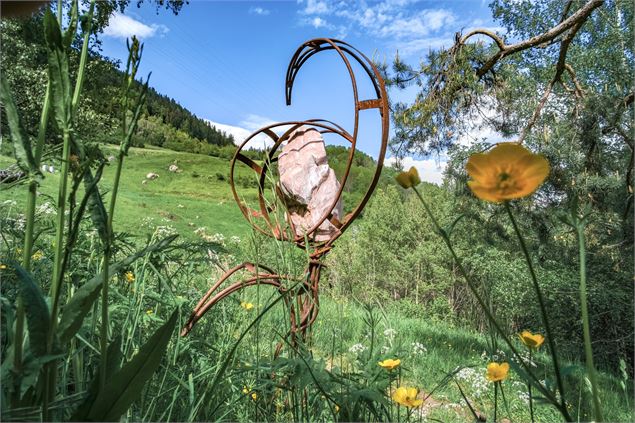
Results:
x,y
304,309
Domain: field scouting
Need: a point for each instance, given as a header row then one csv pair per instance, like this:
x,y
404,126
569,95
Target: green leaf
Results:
x,y
96,206
126,385
31,370
69,34
81,303
38,316
114,357
125,145
58,72
21,142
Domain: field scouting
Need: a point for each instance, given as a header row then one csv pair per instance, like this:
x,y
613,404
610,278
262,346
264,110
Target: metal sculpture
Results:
x,y
304,307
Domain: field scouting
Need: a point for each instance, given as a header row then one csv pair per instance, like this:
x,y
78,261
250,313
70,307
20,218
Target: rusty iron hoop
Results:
x,y
304,310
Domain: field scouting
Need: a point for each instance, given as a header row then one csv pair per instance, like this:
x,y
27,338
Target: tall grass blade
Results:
x,y
21,142
58,71
81,303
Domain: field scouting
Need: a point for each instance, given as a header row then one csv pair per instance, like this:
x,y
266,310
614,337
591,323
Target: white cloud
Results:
x,y
246,127
122,26
421,46
430,170
315,7
318,22
259,11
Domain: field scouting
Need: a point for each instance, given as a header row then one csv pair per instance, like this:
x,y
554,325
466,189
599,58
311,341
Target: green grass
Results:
x,y
188,200
183,390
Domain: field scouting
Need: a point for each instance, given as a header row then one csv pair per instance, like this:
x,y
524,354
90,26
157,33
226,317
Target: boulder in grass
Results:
x,y
308,184
173,168
152,176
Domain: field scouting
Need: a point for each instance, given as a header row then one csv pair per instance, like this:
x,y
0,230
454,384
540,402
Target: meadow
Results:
x,y
503,294
349,338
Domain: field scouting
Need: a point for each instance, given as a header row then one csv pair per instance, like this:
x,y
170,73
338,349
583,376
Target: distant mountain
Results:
x,y
164,122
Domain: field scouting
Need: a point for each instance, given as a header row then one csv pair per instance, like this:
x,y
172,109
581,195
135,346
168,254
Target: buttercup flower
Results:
x,y
245,390
497,372
389,363
408,179
531,341
37,255
3,266
407,396
129,276
254,396
506,172
246,306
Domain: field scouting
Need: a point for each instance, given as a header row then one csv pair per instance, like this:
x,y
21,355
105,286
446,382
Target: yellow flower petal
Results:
x,y
408,179
506,172
389,363
407,396
497,372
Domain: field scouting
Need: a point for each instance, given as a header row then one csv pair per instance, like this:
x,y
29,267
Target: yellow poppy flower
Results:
x,y
129,276
408,179
389,363
506,172
531,340
407,396
497,372
246,306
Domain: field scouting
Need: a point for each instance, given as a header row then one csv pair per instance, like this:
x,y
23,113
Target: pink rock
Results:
x,y
308,184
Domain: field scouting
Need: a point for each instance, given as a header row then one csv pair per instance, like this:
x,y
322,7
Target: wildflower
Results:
x,y
531,340
390,333
506,172
407,396
497,372
149,312
246,306
408,179
254,396
3,266
357,348
129,276
337,408
37,255
418,348
245,390
389,363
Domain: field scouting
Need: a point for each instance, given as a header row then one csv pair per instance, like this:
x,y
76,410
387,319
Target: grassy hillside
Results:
x,y
188,200
196,196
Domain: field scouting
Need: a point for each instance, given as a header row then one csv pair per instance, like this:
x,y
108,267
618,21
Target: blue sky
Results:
x,y
226,60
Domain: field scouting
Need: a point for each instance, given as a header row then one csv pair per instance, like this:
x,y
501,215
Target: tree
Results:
x,y
564,88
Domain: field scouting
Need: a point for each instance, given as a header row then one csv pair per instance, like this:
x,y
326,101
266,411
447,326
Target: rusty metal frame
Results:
x,y
305,308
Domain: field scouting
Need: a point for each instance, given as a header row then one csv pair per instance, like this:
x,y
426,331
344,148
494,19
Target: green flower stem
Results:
x,y
41,135
541,302
82,61
588,351
58,272
486,310
28,237
531,399
59,235
495,400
